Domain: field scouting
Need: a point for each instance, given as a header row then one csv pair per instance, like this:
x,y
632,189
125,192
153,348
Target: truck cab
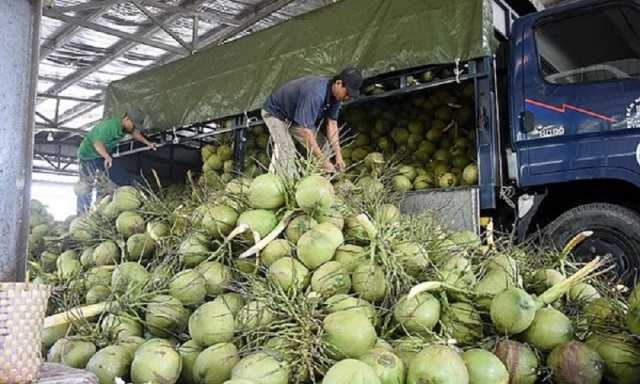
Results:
x,y
574,121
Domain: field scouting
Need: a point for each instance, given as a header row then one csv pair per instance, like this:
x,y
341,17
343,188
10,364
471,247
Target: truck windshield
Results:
x,y
597,45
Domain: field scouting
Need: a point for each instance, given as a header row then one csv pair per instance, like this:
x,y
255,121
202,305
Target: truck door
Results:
x,y
580,76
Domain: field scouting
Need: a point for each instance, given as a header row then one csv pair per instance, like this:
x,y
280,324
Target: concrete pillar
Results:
x,y
19,51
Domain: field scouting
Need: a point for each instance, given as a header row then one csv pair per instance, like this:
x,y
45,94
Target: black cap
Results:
x,y
352,80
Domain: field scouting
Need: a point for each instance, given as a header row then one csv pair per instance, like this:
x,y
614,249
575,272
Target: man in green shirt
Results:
x,y
95,150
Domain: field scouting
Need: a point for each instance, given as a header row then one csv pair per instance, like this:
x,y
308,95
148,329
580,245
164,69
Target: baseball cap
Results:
x,y
352,80
137,117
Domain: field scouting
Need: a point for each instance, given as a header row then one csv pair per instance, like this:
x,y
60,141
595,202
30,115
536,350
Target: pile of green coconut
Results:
x,y
310,279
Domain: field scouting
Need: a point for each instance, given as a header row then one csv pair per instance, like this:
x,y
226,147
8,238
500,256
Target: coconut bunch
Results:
x,y
42,226
304,279
429,135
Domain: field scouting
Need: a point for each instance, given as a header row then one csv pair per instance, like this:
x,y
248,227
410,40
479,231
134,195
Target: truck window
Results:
x,y
597,45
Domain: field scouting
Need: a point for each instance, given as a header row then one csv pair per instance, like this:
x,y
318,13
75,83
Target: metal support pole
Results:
x,y
20,47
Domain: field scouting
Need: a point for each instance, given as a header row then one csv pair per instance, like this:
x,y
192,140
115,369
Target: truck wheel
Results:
x,y
616,232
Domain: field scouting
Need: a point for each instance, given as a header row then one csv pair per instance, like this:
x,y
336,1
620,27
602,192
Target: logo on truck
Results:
x,y
633,114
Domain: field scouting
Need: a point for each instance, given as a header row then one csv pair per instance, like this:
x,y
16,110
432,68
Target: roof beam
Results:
x,y
120,49
110,31
160,24
66,34
191,12
76,112
90,5
69,98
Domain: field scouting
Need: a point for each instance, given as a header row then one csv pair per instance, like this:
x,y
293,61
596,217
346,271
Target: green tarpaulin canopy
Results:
x,y
376,36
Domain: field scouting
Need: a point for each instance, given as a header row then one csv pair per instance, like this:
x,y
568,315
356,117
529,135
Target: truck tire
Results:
x,y
616,231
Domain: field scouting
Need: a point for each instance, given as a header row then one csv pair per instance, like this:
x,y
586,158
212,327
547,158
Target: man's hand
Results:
x,y
152,145
340,165
108,161
329,167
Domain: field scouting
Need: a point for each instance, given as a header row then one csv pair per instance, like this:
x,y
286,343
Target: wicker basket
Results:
x,y
22,310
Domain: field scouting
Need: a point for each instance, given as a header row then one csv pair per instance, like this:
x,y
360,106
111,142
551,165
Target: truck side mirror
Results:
x,y
526,121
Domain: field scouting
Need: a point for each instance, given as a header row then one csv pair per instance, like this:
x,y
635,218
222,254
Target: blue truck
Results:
x,y
557,104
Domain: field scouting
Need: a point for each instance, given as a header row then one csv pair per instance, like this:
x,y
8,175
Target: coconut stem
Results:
x,y
577,239
73,314
260,245
559,289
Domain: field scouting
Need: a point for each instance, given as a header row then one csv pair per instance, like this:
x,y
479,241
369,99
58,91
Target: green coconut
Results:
x,y
212,323
388,367
493,282
157,230
81,229
140,245
632,318
316,247
267,192
188,286
194,250
106,253
331,278
275,250
289,273
126,198
349,333
512,311
333,216
521,362
262,368
297,226
263,221
120,326
599,311
418,314
412,256
69,269
543,279
634,296
386,214
219,220
48,260
214,364
505,263
344,302
484,367
129,223
369,282
109,363
233,301
161,364
152,343
575,362
437,364
621,355
111,211
129,277
351,256
97,294
86,258
164,315
350,371
462,321
73,353
132,343
549,329
82,188
315,195
189,352
583,292
50,335
218,277
253,315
